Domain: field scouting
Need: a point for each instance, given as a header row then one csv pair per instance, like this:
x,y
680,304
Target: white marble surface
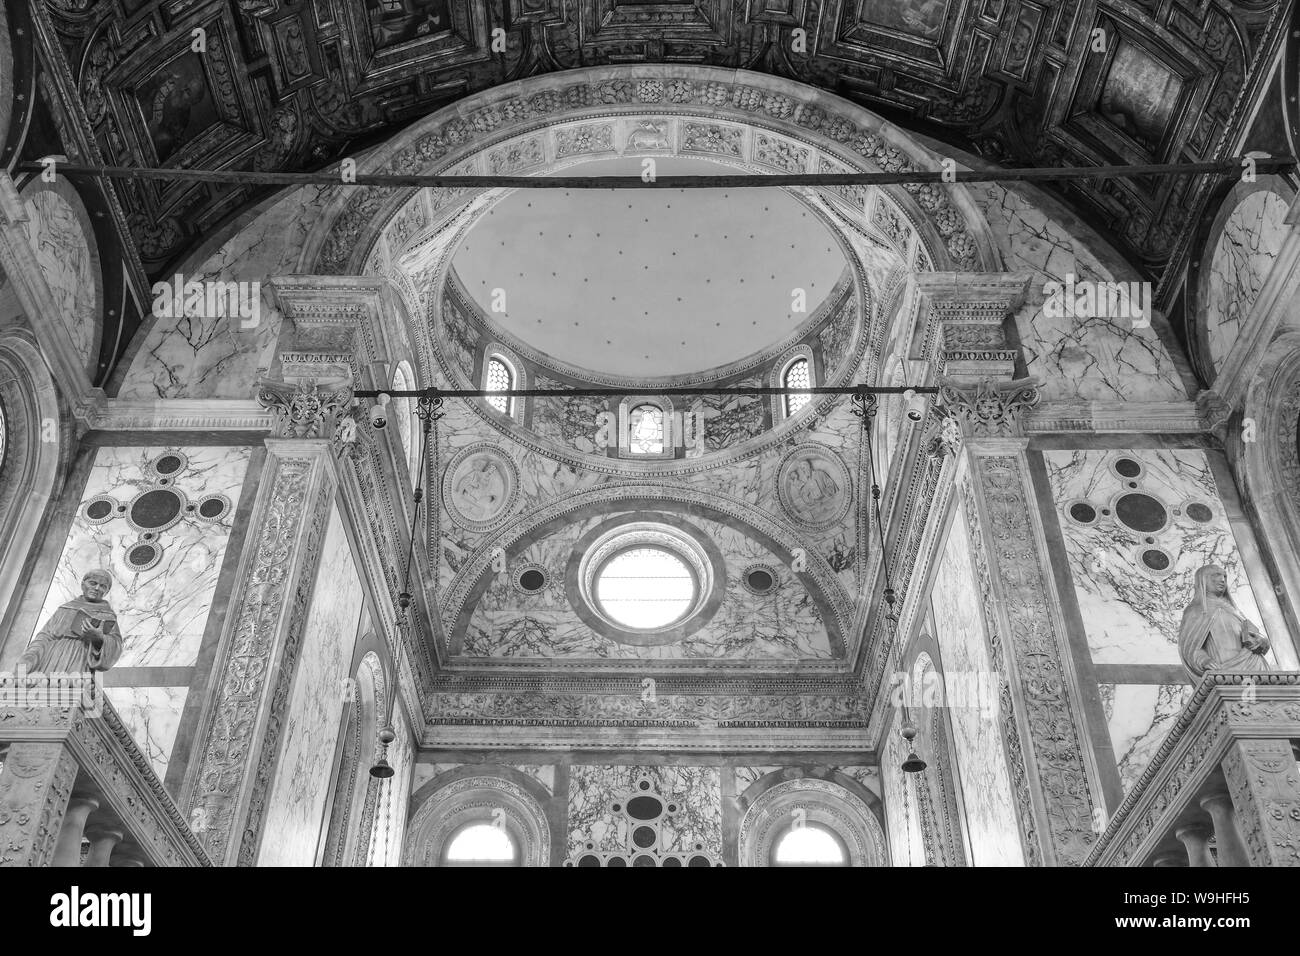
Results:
x,y
746,776
297,800
1243,257
162,612
1138,717
1090,359
977,743
697,790
152,715
55,234
201,356
1130,615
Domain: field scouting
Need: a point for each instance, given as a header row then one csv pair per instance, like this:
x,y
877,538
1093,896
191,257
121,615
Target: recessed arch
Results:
x,y
445,809
815,802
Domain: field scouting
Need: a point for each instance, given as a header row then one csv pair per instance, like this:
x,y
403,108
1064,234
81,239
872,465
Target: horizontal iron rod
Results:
x,y
391,180
621,392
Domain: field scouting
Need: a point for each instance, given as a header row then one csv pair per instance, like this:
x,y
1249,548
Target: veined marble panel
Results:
x,y
163,611
902,821
1243,256
1138,717
152,715
543,774
296,804
869,777
1093,359
977,739
1131,614
746,776
55,232
697,790
784,624
201,356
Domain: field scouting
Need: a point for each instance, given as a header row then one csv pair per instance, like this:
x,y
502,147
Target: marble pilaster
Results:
x,y
226,798
1052,779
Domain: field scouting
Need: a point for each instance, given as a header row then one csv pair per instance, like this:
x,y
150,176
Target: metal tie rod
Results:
x,y
1233,166
639,390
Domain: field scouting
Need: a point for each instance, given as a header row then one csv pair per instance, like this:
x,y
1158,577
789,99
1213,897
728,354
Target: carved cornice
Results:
x,y
108,760
1222,707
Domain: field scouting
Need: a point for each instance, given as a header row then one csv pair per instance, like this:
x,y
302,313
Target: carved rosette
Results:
x,y
990,409
304,410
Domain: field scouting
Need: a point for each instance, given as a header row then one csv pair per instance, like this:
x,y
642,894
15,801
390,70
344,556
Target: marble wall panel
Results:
x,y
152,715
58,239
1078,359
1131,613
698,790
202,356
1242,258
782,625
162,611
977,740
1138,717
298,797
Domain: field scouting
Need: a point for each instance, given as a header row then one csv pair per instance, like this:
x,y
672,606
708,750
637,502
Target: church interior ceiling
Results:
x,y
298,86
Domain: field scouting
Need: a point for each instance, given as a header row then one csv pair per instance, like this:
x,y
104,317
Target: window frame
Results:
x,y
625,409
777,379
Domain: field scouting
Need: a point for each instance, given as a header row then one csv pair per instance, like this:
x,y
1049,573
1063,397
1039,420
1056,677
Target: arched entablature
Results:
x,y
1268,465
1239,242
699,514
37,440
479,795
850,812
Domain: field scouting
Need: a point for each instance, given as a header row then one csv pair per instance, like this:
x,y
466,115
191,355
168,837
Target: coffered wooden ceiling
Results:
x,y
297,84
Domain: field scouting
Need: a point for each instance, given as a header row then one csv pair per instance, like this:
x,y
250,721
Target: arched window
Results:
x,y
500,377
809,845
481,844
646,430
798,374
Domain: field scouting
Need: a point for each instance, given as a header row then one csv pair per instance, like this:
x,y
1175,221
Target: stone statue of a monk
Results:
x,y
1214,634
80,636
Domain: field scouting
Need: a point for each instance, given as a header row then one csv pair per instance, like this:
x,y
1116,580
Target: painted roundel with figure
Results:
x,y
813,486
480,487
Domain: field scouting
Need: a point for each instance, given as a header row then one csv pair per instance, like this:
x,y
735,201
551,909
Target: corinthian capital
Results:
x,y
304,409
989,408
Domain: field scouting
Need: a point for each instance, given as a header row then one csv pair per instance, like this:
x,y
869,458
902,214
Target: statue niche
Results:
x,y
82,635
1215,635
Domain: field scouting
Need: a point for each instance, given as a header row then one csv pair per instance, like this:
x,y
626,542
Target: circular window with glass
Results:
x,y
644,582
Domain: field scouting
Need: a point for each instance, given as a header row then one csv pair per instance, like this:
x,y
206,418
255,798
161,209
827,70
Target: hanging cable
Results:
x,y
428,411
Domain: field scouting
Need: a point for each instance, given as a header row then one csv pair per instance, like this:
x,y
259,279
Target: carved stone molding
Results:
x,y
990,409
1223,708
303,410
55,749
1037,682
769,816
484,798
1265,786
35,786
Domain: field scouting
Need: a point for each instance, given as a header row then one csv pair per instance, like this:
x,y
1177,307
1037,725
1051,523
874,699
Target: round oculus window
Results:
x,y
645,588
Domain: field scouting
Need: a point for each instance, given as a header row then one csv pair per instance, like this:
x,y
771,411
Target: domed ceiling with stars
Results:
x,y
647,283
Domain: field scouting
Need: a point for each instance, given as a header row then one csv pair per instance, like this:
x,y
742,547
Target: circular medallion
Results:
x,y
813,486
156,509
168,464
759,578
479,487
